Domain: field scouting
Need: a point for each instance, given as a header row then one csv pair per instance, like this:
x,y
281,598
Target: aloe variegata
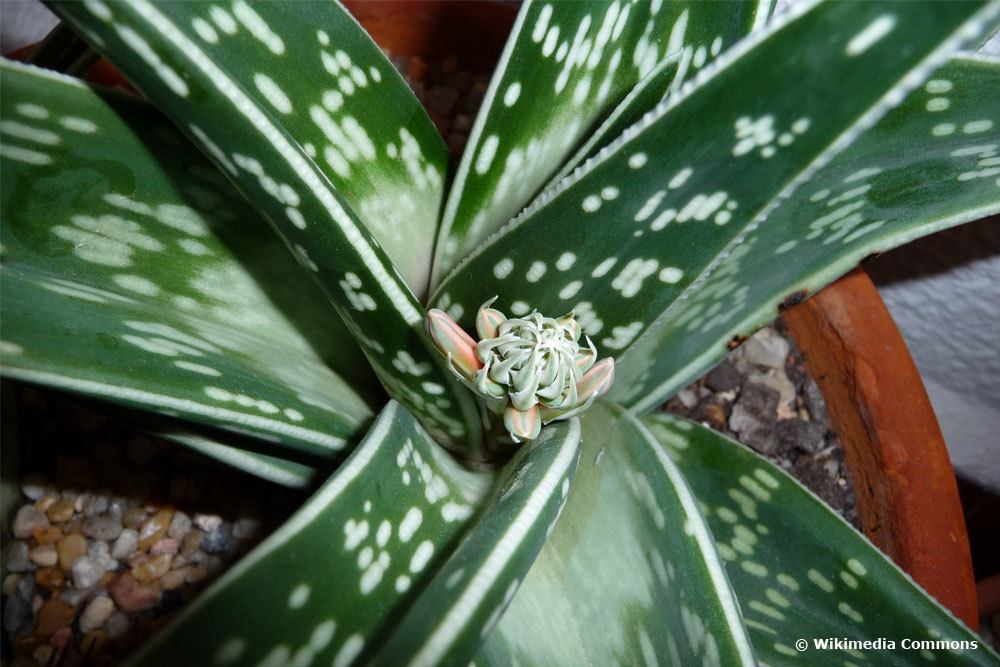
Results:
x,y
263,249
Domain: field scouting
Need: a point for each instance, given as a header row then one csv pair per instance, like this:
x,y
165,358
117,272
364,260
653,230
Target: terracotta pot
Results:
x,y
905,486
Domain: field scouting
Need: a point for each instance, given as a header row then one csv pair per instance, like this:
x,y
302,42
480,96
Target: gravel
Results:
x,y
106,546
762,396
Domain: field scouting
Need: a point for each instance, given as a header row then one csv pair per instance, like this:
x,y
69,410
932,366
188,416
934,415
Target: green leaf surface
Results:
x,y
226,95
134,273
705,21
566,66
326,585
928,164
473,588
628,235
630,574
799,570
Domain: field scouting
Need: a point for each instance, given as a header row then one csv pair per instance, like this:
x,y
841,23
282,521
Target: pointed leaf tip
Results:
x,y
453,343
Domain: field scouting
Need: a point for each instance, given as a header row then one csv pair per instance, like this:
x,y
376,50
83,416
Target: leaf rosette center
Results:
x,y
532,369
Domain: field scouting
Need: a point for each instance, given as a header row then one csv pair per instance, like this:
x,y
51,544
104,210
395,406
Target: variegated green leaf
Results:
x,y
800,571
929,164
133,272
566,66
630,574
631,233
713,22
227,96
330,582
474,586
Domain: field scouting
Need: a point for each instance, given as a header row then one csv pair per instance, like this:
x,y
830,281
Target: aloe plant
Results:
x,y
260,259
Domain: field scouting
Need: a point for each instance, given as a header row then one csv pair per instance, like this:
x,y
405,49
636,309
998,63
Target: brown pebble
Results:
x,y
70,547
54,615
61,511
196,574
50,578
47,535
152,569
46,501
154,528
174,578
192,541
25,645
133,517
132,596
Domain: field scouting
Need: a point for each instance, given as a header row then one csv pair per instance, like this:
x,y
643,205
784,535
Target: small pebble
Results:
x,y
102,528
126,544
75,596
174,578
86,572
179,526
217,541
34,486
27,519
70,547
207,522
96,614
164,546
15,612
192,541
134,517
26,587
152,568
101,553
46,501
766,348
16,557
61,511
47,535
52,616
131,595
154,528
724,377
50,578
98,503
10,584
117,625
44,556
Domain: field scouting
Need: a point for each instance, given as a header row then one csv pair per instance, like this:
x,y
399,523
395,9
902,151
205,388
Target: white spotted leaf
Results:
x,y
329,584
630,574
709,29
565,67
133,272
215,93
799,570
916,172
472,589
639,226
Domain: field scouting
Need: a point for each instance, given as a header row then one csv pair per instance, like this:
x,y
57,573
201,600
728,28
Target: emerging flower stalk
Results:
x,y
533,369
